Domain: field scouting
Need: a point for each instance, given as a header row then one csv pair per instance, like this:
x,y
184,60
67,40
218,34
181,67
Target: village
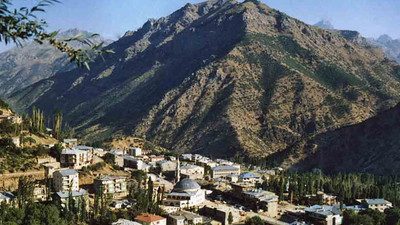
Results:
x,y
189,188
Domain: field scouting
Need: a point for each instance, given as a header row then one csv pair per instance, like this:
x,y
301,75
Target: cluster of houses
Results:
x,y
226,185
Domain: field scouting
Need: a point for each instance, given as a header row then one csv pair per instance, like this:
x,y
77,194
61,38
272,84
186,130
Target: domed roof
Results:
x,y
186,185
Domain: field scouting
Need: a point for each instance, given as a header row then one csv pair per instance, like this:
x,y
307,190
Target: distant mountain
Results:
x,y
221,77
390,46
23,66
325,24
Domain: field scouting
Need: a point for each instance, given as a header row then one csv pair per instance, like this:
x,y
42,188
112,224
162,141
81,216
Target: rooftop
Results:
x,y
325,210
71,151
125,222
249,175
68,172
148,218
219,168
73,193
185,185
376,201
6,195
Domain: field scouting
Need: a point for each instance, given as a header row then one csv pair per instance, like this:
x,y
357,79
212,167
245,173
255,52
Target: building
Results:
x,y
160,182
192,171
133,163
186,194
66,180
220,214
224,171
154,158
6,197
167,166
135,151
89,150
260,199
249,178
151,219
74,159
50,168
118,159
110,185
379,204
324,214
40,193
78,196
125,222
185,218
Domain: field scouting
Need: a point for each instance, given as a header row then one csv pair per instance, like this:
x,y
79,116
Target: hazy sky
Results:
x,y
112,18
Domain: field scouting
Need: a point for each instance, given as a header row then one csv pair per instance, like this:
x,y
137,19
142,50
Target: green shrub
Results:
x,y
335,77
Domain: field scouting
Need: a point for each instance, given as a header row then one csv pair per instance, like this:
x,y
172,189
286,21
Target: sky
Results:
x,y
112,18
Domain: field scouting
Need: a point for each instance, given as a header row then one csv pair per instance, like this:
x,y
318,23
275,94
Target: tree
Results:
x,y
25,191
256,220
230,218
22,24
57,124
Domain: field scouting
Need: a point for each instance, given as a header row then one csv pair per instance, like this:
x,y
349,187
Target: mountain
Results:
x,y
23,66
371,146
220,77
325,24
390,46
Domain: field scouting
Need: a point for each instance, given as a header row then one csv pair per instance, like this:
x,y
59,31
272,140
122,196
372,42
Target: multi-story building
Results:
x,y
110,185
249,178
78,196
379,204
260,199
133,163
185,218
167,166
224,171
192,171
135,151
69,143
151,219
324,214
74,159
65,180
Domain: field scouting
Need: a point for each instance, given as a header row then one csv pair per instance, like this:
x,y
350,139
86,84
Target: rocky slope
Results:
x,y
325,24
220,77
390,46
23,66
371,146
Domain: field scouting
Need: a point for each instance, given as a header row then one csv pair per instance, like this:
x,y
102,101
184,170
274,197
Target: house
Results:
x,y
118,158
154,158
119,152
324,214
6,197
78,196
160,182
40,193
249,178
66,180
133,163
133,151
50,168
89,150
110,185
44,160
185,218
151,219
220,214
186,157
74,158
192,171
260,199
379,204
125,222
224,171
167,166
187,193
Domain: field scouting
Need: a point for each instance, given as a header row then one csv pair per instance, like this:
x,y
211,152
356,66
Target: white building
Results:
x,y
133,163
125,222
184,218
63,197
324,214
249,178
224,171
192,171
110,185
74,159
167,166
69,143
64,179
135,151
186,193
379,204
6,197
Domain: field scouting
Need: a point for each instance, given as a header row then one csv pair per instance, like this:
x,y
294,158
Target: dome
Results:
x,y
186,185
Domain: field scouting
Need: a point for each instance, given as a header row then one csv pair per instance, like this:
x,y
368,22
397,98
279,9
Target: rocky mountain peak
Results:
x,y
325,24
384,38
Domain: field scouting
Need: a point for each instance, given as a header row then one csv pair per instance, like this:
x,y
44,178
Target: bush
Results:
x,y
335,77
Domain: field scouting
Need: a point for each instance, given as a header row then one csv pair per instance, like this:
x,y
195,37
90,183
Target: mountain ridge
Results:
x,y
222,77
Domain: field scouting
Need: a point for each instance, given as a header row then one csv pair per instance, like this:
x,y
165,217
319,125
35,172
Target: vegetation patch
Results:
x,y
335,77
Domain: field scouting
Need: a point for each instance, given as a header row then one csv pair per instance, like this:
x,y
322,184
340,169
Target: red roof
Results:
x,y
148,218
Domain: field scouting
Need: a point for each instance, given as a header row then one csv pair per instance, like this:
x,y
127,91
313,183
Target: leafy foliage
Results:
x,y
22,24
334,77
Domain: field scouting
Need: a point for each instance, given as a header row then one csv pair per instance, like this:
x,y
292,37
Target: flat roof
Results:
x,y
148,218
